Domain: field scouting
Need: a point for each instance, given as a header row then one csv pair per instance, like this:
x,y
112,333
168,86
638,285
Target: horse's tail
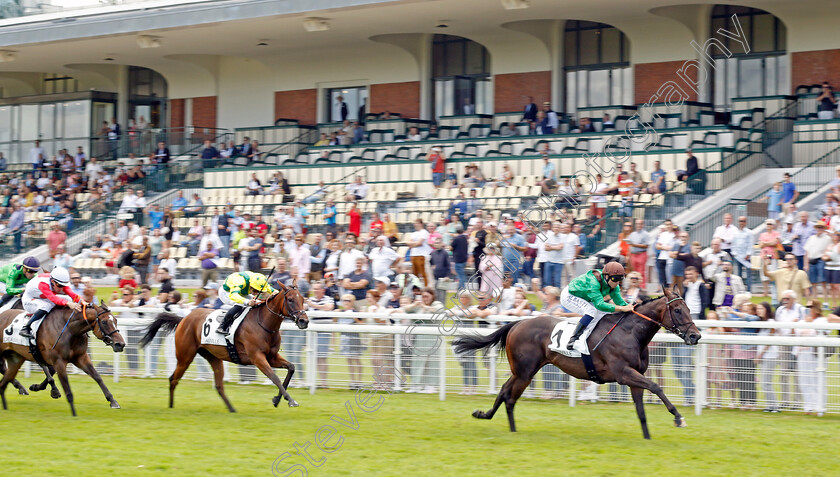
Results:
x,y
466,343
166,321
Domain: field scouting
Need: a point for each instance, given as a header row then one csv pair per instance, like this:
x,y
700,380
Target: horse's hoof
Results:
x,y
293,403
55,394
275,400
115,405
34,388
680,422
478,414
23,392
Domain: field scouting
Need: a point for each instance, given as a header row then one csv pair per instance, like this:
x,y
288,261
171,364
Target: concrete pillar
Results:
x,y
424,59
558,76
122,96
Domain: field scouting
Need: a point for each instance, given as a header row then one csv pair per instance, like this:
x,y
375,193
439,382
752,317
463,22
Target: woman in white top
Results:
x,y
766,358
832,268
806,359
598,197
331,263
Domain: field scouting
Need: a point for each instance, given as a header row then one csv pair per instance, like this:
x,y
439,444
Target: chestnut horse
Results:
x,y
618,346
257,341
62,339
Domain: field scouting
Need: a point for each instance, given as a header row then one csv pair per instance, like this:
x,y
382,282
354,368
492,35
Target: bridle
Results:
x,y
106,337
294,316
674,328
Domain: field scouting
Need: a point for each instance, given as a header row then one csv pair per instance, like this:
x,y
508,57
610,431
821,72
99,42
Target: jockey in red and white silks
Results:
x,y
44,292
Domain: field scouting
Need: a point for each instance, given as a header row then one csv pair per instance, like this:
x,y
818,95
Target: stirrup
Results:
x,y
26,332
571,345
223,331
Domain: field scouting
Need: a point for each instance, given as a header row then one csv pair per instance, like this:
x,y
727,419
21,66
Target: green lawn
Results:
x,y
407,435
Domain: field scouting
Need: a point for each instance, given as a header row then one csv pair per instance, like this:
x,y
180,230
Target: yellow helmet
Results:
x,y
259,282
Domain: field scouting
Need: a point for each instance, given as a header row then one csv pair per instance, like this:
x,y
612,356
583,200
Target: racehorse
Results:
x,y
257,341
621,357
62,339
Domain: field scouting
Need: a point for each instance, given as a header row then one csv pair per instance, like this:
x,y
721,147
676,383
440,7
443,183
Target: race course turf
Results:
x,y
408,434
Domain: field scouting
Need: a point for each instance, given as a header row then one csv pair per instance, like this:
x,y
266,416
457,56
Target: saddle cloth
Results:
x,y
10,304
560,338
211,324
12,332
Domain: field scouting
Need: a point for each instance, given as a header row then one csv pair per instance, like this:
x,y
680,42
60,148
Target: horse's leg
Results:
x,y
61,370
632,378
15,362
21,389
277,361
48,380
83,362
639,400
185,355
499,399
218,375
261,363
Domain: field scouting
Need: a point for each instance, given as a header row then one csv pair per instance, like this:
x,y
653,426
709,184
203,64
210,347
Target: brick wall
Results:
x,y
511,91
648,78
204,111
814,67
176,113
298,104
402,98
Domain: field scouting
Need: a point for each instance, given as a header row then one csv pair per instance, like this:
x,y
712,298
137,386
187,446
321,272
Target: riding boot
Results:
x,y
224,328
26,331
6,298
582,324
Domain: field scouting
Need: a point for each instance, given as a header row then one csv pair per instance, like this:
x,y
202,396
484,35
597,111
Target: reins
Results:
x,y
640,315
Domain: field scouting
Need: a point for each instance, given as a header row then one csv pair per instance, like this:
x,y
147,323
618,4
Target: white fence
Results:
x,y
796,372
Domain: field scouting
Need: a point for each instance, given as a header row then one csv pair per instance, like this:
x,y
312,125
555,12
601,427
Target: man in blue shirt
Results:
x,y
657,179
789,192
155,217
513,245
179,203
330,213
16,225
775,199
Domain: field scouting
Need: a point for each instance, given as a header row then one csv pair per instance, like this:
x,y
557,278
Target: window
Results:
x,y
59,83
461,76
354,97
763,71
597,65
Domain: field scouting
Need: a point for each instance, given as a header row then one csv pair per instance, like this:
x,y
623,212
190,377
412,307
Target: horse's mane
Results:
x,y
648,300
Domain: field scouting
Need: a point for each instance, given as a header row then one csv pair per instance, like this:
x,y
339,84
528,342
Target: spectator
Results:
x,y
246,149
789,192
788,312
775,200
441,268
300,258
329,215
682,248
254,154
346,261
802,231
356,190
806,359
491,269
742,244
62,258
406,281
355,222
209,267
351,343
127,275
37,157
832,267
321,301
279,185
419,250
142,258
208,153
691,167
424,368
250,249
638,240
179,204
358,133
664,243
437,160
317,195
413,134
549,176
161,154
469,108
508,129
657,179
530,113
815,248
382,258
55,237
254,187
827,103
744,356
552,120
767,358
727,286
196,208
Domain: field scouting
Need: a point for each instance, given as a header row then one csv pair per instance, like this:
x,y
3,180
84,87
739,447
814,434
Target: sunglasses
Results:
x,y
617,278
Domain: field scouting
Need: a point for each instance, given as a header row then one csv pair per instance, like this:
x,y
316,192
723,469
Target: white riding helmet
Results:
x,y
61,276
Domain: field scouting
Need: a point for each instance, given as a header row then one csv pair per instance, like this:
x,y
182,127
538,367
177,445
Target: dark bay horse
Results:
x,y
622,357
62,339
257,341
